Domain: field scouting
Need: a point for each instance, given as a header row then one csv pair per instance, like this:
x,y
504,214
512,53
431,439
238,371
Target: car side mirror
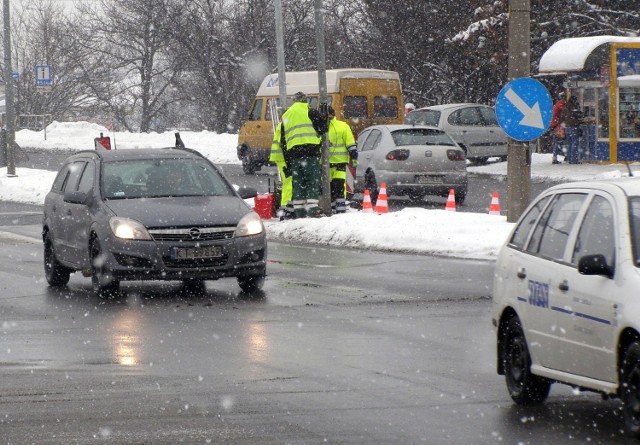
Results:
x,y
78,198
247,192
595,265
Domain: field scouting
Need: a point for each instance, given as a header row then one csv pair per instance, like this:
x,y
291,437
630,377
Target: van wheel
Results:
x,y
247,167
630,389
524,387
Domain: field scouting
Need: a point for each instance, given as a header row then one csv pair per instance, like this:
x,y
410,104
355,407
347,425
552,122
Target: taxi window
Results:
x,y
521,234
634,215
552,232
597,234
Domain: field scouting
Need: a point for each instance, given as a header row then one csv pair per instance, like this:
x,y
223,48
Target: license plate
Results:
x,y
190,253
429,179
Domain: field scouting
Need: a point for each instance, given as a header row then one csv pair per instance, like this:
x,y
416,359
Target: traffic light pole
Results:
x,y
325,198
519,152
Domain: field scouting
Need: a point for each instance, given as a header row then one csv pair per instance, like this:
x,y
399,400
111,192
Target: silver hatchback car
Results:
x,y
473,126
565,295
150,214
413,161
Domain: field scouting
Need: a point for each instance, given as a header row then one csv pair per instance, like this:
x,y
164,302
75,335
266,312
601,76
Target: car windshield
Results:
x,y
154,178
634,216
421,136
423,117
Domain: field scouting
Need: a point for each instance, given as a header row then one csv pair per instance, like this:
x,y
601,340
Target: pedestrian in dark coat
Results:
x,y
572,117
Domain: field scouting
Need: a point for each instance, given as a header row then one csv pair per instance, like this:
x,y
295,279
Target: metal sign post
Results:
x,y
519,153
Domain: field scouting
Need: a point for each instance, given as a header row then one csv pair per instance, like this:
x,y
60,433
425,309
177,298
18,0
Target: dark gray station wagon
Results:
x,y
150,214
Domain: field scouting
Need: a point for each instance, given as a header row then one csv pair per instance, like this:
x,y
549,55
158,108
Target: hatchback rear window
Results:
x,y
423,117
421,136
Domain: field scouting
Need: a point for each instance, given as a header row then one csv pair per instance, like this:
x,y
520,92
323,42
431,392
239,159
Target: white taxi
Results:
x,y
566,295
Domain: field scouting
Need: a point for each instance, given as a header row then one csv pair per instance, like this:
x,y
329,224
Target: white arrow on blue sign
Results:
x,y
524,109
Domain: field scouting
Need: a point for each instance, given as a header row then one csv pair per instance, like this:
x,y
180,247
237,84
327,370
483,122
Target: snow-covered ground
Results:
x,y
438,232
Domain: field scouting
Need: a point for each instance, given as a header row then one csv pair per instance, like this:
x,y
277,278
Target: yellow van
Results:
x,y
361,97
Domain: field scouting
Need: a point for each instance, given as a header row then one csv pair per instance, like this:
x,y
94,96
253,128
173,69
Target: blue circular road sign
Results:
x,y
524,109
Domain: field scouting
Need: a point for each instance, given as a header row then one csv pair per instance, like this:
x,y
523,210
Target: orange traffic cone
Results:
x,y
451,201
366,202
381,202
494,208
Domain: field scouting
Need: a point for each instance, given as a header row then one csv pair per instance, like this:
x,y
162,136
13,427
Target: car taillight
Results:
x,y
456,155
398,155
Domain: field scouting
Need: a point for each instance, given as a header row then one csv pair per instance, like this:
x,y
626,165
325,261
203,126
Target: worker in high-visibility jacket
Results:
x,y
277,157
302,143
342,150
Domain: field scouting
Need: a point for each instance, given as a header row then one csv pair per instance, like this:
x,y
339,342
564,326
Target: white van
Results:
x,y
361,97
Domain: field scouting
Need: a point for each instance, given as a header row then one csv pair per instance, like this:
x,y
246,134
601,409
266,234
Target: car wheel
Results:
x,y
194,286
524,387
251,283
56,274
247,167
460,196
630,389
371,185
103,284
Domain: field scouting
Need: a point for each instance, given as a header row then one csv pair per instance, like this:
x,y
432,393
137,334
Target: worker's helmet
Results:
x,y
409,107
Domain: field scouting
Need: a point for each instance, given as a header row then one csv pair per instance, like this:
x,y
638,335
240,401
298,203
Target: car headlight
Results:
x,y
125,228
250,224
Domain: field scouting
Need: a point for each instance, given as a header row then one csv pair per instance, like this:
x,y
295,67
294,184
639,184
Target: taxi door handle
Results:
x,y
564,286
522,273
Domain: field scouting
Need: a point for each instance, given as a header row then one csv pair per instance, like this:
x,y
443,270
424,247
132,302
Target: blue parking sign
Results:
x,y
524,109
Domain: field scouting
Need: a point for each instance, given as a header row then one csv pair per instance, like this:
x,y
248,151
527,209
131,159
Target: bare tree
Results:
x,y
127,39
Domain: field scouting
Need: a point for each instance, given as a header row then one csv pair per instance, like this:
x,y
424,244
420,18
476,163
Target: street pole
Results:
x,y
519,152
10,123
282,81
325,198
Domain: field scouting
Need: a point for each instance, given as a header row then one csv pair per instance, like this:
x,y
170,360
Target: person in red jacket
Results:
x,y
557,127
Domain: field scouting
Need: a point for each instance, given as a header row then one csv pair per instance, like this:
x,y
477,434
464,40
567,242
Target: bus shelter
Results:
x,y
604,73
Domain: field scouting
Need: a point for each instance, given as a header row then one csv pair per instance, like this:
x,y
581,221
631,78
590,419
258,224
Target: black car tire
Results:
x,y
194,285
251,283
56,274
524,387
460,197
103,284
630,389
371,185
